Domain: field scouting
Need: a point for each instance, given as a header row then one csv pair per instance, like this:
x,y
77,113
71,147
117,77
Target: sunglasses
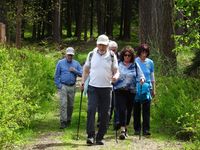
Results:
x,y
127,55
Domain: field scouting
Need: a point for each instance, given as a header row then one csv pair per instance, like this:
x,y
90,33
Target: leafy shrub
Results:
x,y
26,81
177,106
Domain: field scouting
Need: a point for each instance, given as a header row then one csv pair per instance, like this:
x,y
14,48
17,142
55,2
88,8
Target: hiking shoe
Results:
x,y
98,124
63,125
137,133
146,133
90,141
122,135
68,123
99,142
126,132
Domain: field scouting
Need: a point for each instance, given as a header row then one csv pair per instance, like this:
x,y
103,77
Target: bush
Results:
x,y
177,106
26,81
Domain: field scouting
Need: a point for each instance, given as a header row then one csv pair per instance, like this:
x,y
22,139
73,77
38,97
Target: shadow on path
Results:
x,y
50,145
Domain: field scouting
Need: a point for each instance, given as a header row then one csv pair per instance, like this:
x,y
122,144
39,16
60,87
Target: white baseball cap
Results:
x,y
70,51
103,39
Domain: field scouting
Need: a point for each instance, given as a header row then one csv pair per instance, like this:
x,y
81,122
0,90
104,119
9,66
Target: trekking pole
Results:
x,y
79,117
115,116
140,135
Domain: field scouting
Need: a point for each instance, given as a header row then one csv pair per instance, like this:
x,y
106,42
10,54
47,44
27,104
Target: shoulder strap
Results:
x,y
136,70
111,55
90,58
112,58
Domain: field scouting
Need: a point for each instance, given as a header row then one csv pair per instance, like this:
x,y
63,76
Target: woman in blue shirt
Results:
x,y
124,88
147,66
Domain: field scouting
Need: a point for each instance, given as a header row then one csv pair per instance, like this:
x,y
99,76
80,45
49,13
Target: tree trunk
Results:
x,y
86,14
127,20
91,17
100,17
69,18
49,26
34,32
78,17
39,26
18,40
167,22
3,11
56,23
157,28
109,20
3,21
145,16
122,19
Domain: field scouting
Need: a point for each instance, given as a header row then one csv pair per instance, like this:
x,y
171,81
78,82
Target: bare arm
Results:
x,y
115,75
86,71
153,84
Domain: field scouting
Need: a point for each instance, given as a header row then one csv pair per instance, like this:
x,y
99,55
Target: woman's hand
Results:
x,y
142,81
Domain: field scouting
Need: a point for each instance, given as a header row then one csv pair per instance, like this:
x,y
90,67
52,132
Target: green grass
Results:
x,y
47,121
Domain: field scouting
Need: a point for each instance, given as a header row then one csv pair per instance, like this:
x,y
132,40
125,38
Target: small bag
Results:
x,y
142,92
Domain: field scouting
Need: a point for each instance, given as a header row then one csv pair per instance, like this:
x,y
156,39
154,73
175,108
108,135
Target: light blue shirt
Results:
x,y
147,68
128,76
63,75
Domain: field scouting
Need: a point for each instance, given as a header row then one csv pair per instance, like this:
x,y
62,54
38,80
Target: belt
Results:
x,y
72,84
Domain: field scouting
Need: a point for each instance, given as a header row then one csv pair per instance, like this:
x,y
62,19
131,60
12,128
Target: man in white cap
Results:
x,y
102,68
66,73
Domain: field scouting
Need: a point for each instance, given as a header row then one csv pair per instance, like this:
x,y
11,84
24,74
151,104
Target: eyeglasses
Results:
x,y
127,55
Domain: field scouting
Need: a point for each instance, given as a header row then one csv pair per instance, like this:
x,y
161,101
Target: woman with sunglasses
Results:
x,y
124,87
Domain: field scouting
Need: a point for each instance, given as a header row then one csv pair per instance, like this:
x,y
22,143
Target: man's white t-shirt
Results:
x,y
101,67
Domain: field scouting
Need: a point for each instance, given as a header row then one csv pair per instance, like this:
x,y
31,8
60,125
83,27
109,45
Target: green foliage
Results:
x,y
26,80
189,22
177,107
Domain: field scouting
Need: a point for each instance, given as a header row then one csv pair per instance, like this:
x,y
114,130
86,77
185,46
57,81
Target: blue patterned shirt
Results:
x,y
128,77
63,75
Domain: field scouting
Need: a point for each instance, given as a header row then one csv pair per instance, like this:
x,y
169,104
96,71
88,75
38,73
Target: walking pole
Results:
x,y
79,117
115,116
140,135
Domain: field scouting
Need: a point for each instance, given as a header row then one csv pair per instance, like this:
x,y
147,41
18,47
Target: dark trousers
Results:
x,y
100,97
124,105
113,109
145,116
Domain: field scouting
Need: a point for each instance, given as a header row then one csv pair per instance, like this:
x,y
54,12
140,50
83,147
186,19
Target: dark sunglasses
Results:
x,y
126,55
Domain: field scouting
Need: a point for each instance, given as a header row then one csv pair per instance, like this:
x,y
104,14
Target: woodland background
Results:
x,y
38,31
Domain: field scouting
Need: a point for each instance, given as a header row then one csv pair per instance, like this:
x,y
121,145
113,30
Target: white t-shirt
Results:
x,y
101,68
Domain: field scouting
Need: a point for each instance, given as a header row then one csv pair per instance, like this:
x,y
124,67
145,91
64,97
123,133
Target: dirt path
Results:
x,y
52,141
65,140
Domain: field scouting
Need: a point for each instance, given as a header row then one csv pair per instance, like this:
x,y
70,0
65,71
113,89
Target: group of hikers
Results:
x,y
113,81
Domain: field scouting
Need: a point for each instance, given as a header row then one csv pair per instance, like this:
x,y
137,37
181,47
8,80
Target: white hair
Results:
x,y
113,44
